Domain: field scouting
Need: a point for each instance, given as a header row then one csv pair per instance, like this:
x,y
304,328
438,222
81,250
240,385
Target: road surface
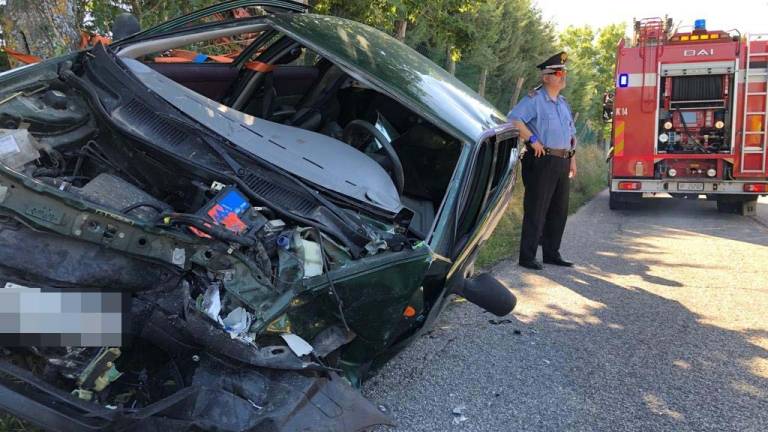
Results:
x,y
662,326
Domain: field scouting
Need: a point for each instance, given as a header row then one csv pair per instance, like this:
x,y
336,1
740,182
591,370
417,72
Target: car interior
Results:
x,y
261,72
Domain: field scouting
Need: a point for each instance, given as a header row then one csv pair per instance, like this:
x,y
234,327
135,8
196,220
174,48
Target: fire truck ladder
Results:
x,y
752,98
650,36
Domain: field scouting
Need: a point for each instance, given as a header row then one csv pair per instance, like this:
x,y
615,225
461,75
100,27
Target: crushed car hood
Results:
x,y
324,161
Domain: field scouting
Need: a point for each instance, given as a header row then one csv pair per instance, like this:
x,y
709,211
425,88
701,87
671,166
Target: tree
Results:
x,y
44,28
591,60
524,39
98,14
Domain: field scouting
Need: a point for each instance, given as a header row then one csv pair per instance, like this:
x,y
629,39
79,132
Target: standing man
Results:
x,y
546,125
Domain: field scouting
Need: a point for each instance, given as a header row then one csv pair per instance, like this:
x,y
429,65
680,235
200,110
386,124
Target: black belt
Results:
x,y
563,153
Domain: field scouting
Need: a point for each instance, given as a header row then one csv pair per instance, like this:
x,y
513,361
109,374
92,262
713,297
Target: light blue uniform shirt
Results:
x,y
550,120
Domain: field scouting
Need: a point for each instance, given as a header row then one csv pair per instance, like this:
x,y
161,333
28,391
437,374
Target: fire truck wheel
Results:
x,y
616,201
726,206
741,207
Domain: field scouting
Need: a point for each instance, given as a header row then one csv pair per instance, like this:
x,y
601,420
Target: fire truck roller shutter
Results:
x,y
697,88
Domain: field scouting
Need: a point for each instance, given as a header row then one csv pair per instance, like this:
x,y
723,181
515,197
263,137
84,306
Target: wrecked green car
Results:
x,y
279,202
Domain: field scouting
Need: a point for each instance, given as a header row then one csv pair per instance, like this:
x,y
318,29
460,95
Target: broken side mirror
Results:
x,y
607,107
125,25
489,293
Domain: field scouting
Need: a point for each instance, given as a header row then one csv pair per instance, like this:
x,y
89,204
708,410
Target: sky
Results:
x,y
747,16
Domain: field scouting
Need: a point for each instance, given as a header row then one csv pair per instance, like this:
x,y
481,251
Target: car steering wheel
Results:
x,y
354,129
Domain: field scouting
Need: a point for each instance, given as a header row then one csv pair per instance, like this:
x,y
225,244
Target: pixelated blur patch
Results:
x,y
31,316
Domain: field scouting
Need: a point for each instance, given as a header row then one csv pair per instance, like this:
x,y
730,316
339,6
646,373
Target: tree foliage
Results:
x,y
592,56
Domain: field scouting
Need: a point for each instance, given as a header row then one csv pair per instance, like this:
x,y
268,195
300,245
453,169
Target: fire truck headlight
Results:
x,y
672,172
668,125
719,124
663,137
711,172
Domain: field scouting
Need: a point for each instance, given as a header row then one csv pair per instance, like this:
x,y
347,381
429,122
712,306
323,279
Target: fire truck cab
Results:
x,y
689,115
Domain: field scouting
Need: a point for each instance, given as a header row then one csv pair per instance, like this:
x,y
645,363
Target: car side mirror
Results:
x,y
125,25
487,292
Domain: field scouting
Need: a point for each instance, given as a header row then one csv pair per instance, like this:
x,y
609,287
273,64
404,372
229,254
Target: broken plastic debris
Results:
x,y
237,322
299,346
212,303
458,415
83,394
179,257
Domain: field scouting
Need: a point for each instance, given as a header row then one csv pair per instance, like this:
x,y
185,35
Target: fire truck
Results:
x,y
689,114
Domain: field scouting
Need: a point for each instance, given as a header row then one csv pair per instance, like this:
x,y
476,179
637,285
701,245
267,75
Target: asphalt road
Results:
x,y
662,326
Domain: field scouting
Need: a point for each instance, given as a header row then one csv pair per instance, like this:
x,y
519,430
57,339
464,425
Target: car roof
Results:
x,y
399,70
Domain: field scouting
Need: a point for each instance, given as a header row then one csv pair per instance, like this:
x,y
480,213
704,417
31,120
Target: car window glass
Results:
x,y
492,165
503,161
481,174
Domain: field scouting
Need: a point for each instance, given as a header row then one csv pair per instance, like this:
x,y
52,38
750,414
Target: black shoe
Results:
x,y
533,265
558,262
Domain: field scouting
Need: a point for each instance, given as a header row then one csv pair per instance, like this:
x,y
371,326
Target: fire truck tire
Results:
x,y
741,207
618,201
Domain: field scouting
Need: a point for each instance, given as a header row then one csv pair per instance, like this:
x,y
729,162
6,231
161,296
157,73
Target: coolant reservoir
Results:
x,y
17,148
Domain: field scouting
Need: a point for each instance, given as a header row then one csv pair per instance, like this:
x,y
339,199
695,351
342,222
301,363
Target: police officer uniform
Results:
x,y
546,178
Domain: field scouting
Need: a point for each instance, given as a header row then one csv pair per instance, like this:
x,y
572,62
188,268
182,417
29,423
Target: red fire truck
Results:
x,y
689,115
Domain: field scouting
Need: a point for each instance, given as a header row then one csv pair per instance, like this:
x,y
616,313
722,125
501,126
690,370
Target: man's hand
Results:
x,y
538,149
572,173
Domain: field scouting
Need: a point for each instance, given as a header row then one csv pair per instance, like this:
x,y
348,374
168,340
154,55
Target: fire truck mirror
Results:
x,y
607,107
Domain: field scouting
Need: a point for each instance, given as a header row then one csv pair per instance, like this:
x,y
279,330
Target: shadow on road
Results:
x,y
670,368
687,216
656,353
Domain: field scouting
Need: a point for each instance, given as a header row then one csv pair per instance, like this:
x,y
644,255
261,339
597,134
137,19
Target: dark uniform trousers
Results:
x,y
545,204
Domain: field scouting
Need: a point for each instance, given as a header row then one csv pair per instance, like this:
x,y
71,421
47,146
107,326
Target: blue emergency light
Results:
x,y
700,24
623,80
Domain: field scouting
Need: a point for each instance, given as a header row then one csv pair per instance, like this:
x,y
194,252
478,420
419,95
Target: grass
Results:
x,y
591,178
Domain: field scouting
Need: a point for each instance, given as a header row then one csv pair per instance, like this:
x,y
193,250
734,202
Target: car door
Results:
x,y
488,177
486,193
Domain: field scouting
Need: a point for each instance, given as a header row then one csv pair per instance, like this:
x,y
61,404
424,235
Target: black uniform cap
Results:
x,y
554,63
